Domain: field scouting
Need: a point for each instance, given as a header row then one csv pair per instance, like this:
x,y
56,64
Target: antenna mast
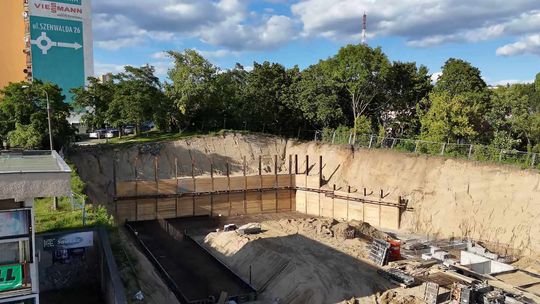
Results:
x,y
364,28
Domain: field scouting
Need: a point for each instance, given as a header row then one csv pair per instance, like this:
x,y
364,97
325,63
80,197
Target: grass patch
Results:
x,y
151,136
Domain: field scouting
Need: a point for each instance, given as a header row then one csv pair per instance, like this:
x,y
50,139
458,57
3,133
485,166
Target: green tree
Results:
x,y
137,98
94,100
458,106
193,87
25,104
361,72
407,86
24,136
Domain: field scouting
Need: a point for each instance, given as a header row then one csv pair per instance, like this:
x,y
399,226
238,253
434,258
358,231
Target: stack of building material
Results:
x,y
379,252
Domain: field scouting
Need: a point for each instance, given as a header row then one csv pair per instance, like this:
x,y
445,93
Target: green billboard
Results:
x,y
11,277
61,45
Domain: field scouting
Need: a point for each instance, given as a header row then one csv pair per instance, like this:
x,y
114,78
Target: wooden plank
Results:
x,y
146,209
126,188
268,202
186,185
327,208
125,211
237,203
253,203
389,217
202,205
184,206
356,211
313,182
340,209
312,201
167,186
300,180
221,184
371,214
284,180
220,205
237,183
203,184
253,182
284,200
147,188
300,201
166,208
268,181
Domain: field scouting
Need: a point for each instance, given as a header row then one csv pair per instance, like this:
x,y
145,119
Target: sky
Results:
x,y
500,37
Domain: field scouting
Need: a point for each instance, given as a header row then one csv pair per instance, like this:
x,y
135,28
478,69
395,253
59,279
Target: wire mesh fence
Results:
x,y
454,150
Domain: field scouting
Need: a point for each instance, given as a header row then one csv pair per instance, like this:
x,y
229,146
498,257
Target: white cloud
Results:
x,y
221,23
510,81
435,77
421,22
217,53
526,45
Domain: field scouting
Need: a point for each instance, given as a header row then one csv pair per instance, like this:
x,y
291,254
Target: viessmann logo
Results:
x,y
55,8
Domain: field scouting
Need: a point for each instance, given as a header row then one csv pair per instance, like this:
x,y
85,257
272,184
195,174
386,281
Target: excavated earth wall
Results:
x,y
448,197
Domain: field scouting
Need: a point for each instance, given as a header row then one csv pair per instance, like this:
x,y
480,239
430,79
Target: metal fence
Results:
x,y
465,151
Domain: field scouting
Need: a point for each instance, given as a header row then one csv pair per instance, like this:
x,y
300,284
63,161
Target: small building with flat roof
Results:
x,y
24,176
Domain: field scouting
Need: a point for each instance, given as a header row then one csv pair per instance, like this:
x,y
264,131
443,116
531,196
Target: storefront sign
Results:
x,y
67,241
11,277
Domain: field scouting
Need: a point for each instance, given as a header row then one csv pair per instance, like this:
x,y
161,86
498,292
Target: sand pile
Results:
x,y
300,261
395,297
328,228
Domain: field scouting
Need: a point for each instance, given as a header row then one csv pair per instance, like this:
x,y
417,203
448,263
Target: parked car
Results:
x,y
112,133
99,133
129,130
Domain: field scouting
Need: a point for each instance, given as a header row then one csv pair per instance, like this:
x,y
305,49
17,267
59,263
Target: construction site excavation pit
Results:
x,y
460,224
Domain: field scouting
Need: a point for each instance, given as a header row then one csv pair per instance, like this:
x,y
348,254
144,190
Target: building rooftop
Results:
x,y
29,174
31,162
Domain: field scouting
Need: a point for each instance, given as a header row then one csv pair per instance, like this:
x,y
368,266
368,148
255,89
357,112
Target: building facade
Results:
x,y
51,41
24,176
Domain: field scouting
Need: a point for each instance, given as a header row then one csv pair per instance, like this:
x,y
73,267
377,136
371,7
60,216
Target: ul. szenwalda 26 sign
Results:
x,y
61,40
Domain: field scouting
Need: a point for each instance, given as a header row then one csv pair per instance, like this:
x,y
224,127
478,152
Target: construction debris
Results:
x,y
379,251
251,228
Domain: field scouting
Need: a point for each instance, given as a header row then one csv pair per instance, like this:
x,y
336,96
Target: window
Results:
x,y
14,223
14,252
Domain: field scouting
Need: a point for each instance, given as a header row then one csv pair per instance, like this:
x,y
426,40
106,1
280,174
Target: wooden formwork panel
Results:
x,y
371,214
126,210
300,201
221,184
356,211
313,182
268,201
237,203
340,209
253,202
186,185
126,189
268,181
389,217
300,180
220,205
284,180
184,206
293,200
254,182
327,206
203,184
237,183
167,186
284,200
202,205
313,204
146,209
166,208
147,188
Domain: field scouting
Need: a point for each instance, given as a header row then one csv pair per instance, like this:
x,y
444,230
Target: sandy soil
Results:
x,y
299,261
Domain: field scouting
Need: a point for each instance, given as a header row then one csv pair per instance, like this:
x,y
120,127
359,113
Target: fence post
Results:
x,y
393,143
470,151
333,136
533,160
500,155
370,140
442,149
350,136
315,136
416,146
